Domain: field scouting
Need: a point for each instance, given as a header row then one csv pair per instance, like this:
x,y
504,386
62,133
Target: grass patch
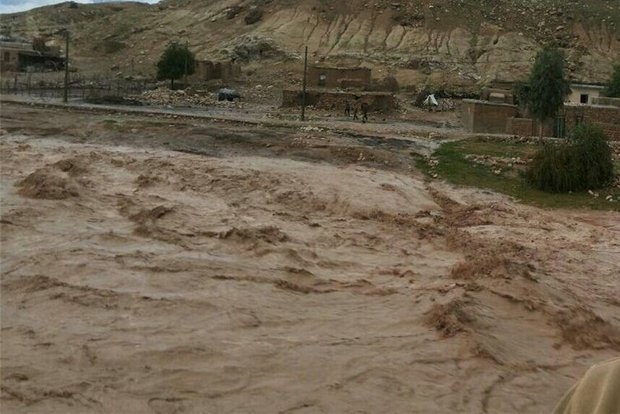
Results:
x,y
454,167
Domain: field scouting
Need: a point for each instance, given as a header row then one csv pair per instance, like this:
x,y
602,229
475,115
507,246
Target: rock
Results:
x,y
253,16
232,12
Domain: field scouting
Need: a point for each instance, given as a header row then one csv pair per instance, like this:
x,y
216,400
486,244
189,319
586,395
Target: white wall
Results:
x,y
577,91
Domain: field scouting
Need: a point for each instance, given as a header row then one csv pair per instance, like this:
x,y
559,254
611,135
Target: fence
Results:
x,y
51,85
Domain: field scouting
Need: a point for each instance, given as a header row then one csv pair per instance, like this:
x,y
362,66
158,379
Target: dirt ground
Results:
x,y
153,265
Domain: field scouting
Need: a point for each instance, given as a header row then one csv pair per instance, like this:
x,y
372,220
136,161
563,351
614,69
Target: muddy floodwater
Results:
x,y
160,266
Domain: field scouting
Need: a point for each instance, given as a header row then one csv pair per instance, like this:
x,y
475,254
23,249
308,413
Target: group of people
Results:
x,y
356,109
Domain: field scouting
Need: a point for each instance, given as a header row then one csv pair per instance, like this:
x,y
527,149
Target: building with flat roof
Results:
x,y
583,93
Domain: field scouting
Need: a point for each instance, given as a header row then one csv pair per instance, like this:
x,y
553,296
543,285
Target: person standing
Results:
x,y
347,109
364,112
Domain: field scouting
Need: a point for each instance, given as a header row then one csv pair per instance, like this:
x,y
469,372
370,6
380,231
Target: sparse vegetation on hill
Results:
x,y
427,42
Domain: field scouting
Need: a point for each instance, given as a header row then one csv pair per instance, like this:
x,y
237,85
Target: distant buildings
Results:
x,y
495,113
19,56
331,88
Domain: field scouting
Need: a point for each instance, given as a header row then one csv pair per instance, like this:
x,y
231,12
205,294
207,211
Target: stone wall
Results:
x,y
606,117
332,100
486,117
528,127
523,127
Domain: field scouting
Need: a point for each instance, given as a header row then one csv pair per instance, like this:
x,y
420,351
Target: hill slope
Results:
x,y
449,42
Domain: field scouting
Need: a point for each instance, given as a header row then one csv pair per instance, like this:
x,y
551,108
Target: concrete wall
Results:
x,y
606,117
378,102
486,117
335,77
605,101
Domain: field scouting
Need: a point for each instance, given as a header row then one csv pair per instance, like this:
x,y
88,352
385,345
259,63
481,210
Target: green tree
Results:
x,y
613,87
176,61
548,85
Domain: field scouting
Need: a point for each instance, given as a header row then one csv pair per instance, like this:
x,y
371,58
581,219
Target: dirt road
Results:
x,y
168,266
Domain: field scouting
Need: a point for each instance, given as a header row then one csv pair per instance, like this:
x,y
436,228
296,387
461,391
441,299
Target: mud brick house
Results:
x,y
20,57
207,70
334,77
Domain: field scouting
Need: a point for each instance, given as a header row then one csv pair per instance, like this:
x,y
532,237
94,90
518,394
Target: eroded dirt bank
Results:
x,y
253,278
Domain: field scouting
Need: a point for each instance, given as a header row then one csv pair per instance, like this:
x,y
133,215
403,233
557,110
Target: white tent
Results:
x,y
430,100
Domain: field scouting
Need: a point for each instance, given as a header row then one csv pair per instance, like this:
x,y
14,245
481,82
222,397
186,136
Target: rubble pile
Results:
x,y
164,96
496,161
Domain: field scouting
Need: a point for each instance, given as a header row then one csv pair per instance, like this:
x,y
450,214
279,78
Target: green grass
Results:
x,y
455,168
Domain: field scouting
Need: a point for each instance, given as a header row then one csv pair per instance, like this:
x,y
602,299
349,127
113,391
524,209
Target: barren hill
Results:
x,y
441,42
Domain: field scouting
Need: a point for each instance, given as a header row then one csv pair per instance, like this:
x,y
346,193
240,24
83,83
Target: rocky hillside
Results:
x,y
453,43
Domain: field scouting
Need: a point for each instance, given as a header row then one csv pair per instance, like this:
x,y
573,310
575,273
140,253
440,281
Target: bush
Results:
x,y
613,87
254,15
582,163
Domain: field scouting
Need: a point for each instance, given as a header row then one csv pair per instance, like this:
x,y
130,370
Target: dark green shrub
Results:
x,y
613,87
593,154
582,163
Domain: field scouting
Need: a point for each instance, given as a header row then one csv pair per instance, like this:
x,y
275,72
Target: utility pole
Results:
x,y
65,95
303,95
185,71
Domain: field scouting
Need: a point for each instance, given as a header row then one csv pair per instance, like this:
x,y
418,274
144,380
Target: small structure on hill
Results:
x,y
498,95
207,70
